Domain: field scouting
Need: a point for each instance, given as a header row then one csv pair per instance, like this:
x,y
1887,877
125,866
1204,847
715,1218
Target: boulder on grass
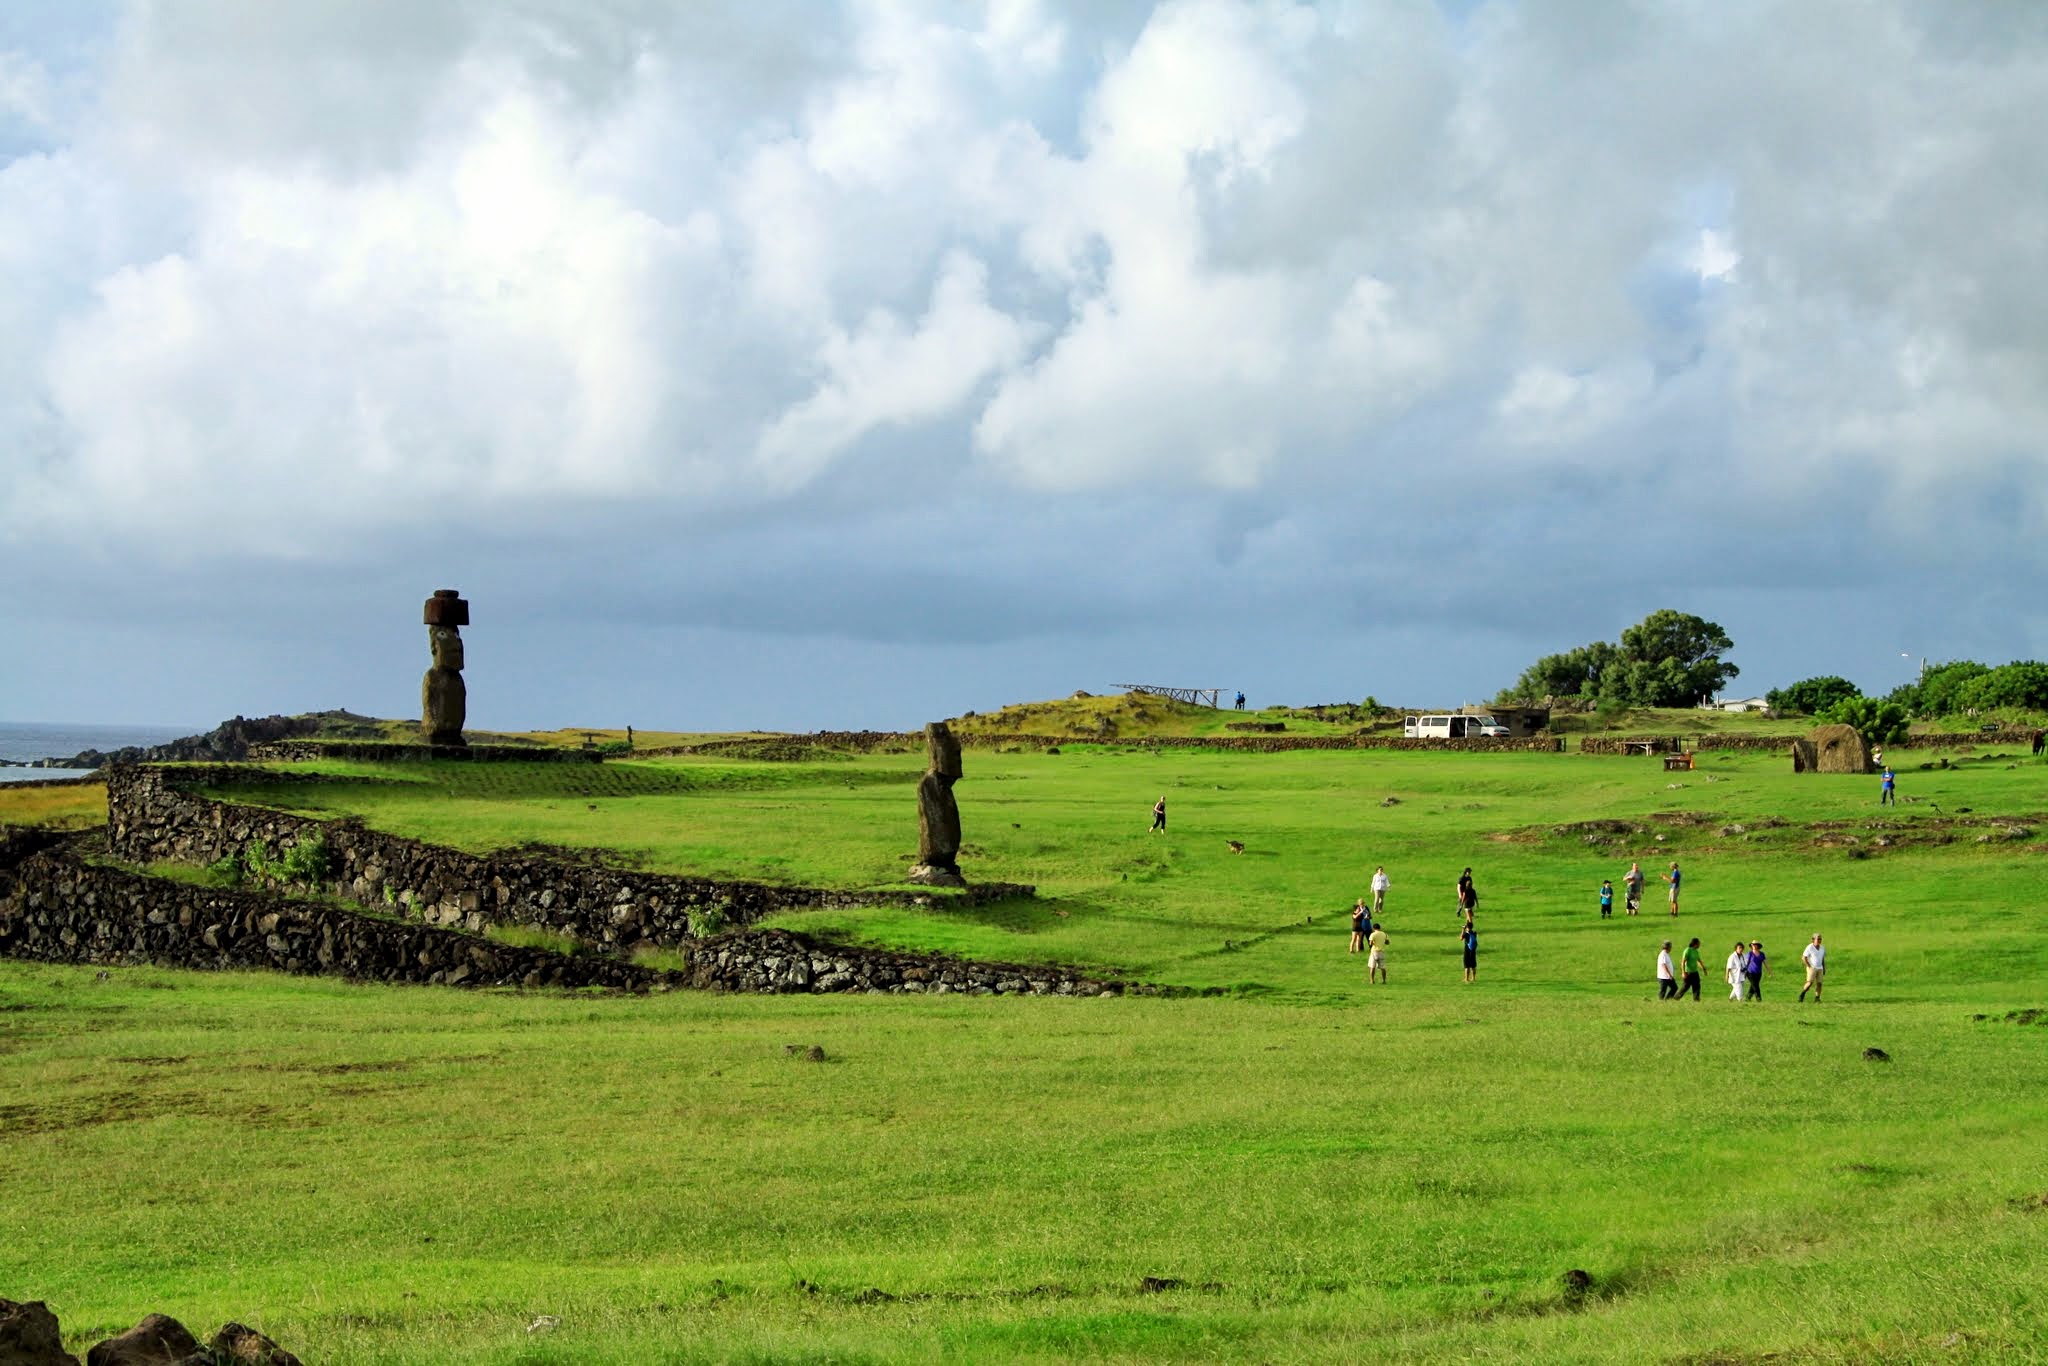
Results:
x,y
1839,749
29,1336
156,1341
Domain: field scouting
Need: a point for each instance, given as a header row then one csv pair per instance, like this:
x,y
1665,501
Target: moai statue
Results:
x,y
444,701
938,815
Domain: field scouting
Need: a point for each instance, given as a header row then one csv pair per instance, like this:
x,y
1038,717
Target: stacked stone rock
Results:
x,y
55,907
938,814
444,699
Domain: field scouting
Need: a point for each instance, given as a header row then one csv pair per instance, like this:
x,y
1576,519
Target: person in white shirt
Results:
x,y
1816,959
1380,883
1735,962
1667,976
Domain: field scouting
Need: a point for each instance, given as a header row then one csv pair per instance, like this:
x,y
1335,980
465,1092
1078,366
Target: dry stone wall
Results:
x,y
55,906
151,817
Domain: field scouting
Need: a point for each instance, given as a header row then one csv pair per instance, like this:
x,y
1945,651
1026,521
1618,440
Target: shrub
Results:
x,y
305,861
228,868
709,920
1878,722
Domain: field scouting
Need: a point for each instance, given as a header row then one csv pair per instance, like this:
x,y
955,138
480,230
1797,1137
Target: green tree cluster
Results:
x,y
1812,696
1964,685
1668,659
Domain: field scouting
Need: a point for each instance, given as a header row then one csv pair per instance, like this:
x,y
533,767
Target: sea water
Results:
x,y
24,740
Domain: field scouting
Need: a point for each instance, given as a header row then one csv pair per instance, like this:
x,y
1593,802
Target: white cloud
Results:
x,y
885,373
511,255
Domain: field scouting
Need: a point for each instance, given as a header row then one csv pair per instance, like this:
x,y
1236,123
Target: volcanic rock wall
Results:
x,y
152,817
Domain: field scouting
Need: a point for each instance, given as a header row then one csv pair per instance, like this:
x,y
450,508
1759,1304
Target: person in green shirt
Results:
x,y
1689,963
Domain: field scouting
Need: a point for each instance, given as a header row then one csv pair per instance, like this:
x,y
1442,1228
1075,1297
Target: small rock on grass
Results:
x,y
237,1344
158,1338
1876,1055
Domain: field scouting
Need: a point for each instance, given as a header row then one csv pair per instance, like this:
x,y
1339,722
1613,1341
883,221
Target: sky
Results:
x,y
795,364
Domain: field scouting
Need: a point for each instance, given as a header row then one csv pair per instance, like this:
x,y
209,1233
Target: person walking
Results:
x,y
1159,815
1607,898
1816,959
1376,956
1753,971
1672,878
1735,963
1632,888
1380,883
1468,896
1470,938
1689,970
1361,925
1667,977
1887,791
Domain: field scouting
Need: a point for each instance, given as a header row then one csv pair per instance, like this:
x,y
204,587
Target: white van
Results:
x,y
1453,728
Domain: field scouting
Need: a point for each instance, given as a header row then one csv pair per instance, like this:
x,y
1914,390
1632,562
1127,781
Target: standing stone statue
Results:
x,y
444,701
938,815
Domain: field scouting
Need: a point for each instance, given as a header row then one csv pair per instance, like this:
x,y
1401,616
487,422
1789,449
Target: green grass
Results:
x,y
1334,1173
80,807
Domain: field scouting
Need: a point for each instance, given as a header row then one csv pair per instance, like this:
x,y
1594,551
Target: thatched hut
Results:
x,y
1839,749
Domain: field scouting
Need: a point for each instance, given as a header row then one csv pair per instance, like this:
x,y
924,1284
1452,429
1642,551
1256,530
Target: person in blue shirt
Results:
x,y
1471,941
1885,793
1606,899
1672,878
1753,971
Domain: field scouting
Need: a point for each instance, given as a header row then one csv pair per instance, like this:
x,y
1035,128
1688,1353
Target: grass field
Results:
x,y
68,807
1309,1169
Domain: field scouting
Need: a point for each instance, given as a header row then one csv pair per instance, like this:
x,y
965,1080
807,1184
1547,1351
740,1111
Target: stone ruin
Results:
x,y
1832,749
444,700
938,815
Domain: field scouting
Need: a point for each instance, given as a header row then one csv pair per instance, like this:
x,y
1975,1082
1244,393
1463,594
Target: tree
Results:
x,y
1878,722
1668,659
1941,686
1812,696
2022,683
1575,673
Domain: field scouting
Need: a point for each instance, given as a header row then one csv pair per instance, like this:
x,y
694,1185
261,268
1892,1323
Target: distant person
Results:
x,y
1877,756
1376,955
1240,701
1736,960
1470,938
2040,742
1159,815
1816,959
1667,975
1753,971
1468,896
1689,970
1886,791
1632,888
1672,878
1380,883
629,737
1361,924
1606,898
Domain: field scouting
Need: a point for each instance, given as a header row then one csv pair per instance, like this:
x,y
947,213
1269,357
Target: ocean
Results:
x,y
20,740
